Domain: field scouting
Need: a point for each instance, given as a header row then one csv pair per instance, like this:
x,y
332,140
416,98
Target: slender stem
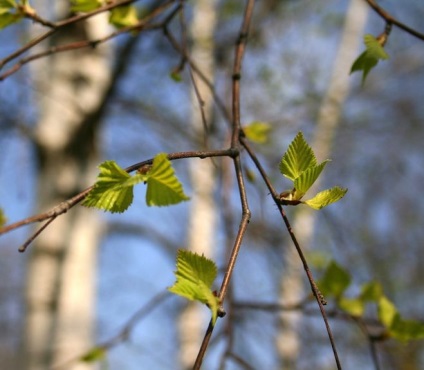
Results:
x,y
65,206
390,19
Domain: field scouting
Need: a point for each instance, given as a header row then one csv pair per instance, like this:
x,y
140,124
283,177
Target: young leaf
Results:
x,y
387,311
307,179
9,13
94,355
124,16
176,76
194,278
298,158
405,330
85,5
353,306
3,218
163,187
371,292
335,280
326,197
398,328
113,190
370,57
258,132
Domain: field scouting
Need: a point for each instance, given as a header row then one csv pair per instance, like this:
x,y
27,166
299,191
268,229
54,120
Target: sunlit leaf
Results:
x,y
258,132
3,218
370,57
124,16
307,178
298,158
195,275
7,5
113,190
335,280
387,311
406,330
371,291
326,197
7,19
353,306
176,76
9,13
398,327
94,355
85,5
163,187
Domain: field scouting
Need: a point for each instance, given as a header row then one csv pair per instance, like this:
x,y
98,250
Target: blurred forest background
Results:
x,y
293,61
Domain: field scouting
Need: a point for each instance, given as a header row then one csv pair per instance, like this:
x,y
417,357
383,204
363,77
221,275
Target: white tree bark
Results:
x,y
291,285
60,290
202,217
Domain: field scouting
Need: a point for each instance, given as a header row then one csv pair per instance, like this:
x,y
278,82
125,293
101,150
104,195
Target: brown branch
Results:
x,y
317,294
143,25
65,206
392,20
245,218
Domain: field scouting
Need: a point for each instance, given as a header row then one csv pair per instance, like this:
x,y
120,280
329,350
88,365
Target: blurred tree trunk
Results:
x,y
202,221
291,285
60,291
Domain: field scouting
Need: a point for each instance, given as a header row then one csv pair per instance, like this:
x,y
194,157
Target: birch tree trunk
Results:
x,y
202,214
60,290
291,285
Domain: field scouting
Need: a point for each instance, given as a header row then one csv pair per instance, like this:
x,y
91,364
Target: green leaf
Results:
x,y
9,13
406,330
374,47
387,311
94,355
7,5
353,306
335,280
124,16
306,179
298,158
163,187
195,275
113,190
370,57
7,19
326,197
258,132
3,218
371,292
85,5
176,76
398,328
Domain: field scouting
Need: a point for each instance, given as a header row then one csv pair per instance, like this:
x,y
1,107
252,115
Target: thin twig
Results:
x,y
143,25
390,19
317,294
66,205
236,126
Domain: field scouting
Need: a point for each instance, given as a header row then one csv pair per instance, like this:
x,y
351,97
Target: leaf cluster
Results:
x,y
300,165
113,190
336,281
12,11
